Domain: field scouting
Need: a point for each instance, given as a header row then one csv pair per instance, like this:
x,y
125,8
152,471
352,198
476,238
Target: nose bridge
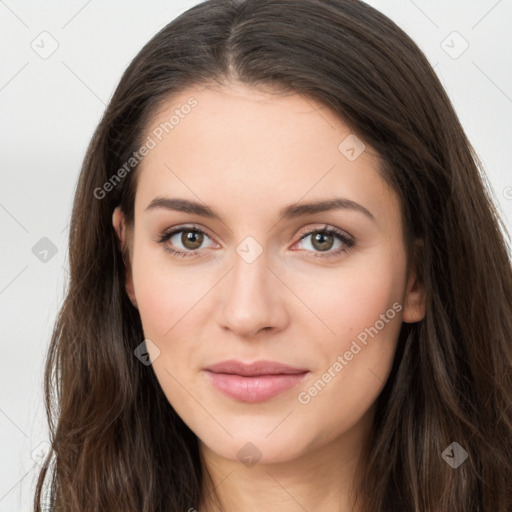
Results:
x,y
251,301
249,276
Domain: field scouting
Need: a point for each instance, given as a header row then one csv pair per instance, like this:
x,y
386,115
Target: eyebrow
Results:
x,y
288,212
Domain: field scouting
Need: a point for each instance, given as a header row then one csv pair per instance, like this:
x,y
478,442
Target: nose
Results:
x,y
252,299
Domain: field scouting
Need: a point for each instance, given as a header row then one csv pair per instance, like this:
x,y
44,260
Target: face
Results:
x,y
258,277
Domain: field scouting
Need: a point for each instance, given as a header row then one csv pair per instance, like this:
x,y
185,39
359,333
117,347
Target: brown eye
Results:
x,y
328,240
192,239
322,241
184,241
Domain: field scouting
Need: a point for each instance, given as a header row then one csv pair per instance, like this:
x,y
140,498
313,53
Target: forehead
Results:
x,y
238,145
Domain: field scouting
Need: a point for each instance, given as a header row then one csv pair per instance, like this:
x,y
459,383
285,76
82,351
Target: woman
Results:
x,y
289,285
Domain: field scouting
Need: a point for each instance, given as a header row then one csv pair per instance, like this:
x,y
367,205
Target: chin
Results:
x,y
258,444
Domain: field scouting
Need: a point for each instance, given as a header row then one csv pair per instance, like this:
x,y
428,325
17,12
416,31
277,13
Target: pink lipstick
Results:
x,y
255,382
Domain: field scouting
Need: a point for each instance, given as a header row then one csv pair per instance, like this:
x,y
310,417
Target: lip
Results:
x,y
254,382
263,367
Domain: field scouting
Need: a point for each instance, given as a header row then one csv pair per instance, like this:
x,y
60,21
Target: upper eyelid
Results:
x,y
178,229
325,227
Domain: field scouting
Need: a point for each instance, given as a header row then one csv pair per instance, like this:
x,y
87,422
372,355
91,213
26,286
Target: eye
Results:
x,y
323,240
191,240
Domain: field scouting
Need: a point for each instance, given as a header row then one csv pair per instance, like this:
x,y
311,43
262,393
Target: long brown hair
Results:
x,y
118,443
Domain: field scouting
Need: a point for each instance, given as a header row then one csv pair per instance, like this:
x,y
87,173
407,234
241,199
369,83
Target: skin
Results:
x,y
247,153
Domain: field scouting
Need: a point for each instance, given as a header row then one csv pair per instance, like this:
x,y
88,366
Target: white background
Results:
x,y
50,107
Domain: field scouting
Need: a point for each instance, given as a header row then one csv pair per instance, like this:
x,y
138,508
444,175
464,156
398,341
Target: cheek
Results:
x,y
356,357
363,312
166,296
168,303
156,301
354,297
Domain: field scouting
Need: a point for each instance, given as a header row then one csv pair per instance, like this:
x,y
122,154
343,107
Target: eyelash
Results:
x,y
349,243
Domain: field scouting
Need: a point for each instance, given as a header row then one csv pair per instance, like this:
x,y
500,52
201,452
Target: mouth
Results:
x,y
255,382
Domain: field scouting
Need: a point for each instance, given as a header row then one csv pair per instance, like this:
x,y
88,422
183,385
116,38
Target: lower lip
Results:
x,y
254,389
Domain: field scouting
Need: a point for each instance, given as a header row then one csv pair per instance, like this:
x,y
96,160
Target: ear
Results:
x,y
119,223
415,297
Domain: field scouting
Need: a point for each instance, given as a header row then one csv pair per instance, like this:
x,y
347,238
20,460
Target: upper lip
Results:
x,y
251,369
